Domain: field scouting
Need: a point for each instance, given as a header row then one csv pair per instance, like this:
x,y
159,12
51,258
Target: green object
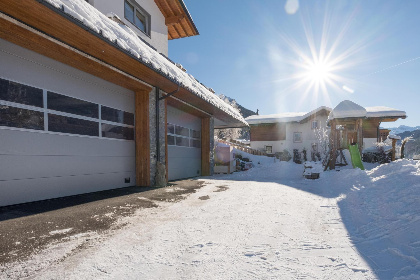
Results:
x,y
356,159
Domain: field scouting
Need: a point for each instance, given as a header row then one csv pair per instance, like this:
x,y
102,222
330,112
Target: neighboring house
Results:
x,y
275,133
88,103
357,124
372,133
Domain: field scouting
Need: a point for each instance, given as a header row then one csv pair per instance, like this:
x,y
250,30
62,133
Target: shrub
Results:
x,y
296,156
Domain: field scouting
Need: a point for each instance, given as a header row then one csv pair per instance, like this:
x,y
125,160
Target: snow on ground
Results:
x,y
268,223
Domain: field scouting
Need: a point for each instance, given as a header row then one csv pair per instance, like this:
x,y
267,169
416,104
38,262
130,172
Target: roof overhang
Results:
x,y
40,27
177,18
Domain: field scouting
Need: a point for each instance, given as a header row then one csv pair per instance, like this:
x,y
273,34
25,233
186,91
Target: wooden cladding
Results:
x,y
205,147
370,128
177,19
142,139
268,132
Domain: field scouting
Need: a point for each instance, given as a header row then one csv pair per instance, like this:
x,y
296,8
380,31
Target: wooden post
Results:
x,y
359,125
394,141
333,144
205,146
142,138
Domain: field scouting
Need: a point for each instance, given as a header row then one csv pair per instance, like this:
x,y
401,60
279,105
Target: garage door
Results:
x,y
184,144
63,132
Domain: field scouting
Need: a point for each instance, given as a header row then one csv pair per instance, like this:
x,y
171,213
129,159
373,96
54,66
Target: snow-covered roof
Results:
x,y
131,43
283,117
347,109
382,111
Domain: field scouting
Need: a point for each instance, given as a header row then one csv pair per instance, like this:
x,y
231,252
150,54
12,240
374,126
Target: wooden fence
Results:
x,y
243,147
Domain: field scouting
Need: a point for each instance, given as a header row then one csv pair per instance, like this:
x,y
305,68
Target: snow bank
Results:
x,y
130,42
382,214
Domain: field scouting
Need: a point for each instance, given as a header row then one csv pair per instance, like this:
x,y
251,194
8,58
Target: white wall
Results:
x,y
308,137
158,31
37,165
369,142
183,162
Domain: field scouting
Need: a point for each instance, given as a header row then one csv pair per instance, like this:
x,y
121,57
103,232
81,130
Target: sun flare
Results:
x,y
318,72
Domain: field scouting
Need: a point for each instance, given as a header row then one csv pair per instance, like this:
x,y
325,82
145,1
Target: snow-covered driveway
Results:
x,y
266,223
240,226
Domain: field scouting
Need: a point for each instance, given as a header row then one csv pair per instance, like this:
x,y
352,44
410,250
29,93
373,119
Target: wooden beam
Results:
x,y
29,38
173,20
142,139
205,147
166,139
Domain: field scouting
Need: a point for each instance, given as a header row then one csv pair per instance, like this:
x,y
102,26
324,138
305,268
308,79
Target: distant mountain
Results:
x,y
413,146
403,128
244,111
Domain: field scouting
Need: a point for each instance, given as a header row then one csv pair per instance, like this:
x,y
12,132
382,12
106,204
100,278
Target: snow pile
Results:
x,y
382,111
130,42
283,117
347,109
382,214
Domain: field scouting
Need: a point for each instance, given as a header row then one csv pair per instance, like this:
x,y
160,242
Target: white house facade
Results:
x,y
287,131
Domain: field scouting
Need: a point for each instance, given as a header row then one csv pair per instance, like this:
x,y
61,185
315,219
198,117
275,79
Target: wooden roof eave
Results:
x,y
66,40
177,19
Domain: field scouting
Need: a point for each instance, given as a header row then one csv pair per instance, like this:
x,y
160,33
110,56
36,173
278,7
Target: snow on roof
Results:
x,y
382,111
395,137
347,109
283,117
130,42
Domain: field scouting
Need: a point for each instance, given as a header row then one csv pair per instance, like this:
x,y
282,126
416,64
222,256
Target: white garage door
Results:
x,y
184,144
63,132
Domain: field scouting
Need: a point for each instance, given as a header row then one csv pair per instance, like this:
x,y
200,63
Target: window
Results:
x,y
117,132
179,130
71,125
137,16
22,106
182,141
182,136
21,118
22,94
314,125
269,149
118,116
297,137
62,103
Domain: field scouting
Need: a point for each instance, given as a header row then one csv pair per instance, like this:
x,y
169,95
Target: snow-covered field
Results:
x,y
265,223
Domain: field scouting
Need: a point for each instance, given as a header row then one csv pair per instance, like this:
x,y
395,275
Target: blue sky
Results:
x,y
257,53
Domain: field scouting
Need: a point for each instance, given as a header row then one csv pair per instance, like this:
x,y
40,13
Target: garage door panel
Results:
x,y
183,162
18,142
20,191
22,167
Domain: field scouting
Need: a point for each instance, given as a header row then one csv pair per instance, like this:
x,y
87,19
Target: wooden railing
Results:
x,y
243,148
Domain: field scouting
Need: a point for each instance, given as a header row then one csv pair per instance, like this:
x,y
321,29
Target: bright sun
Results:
x,y
318,72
